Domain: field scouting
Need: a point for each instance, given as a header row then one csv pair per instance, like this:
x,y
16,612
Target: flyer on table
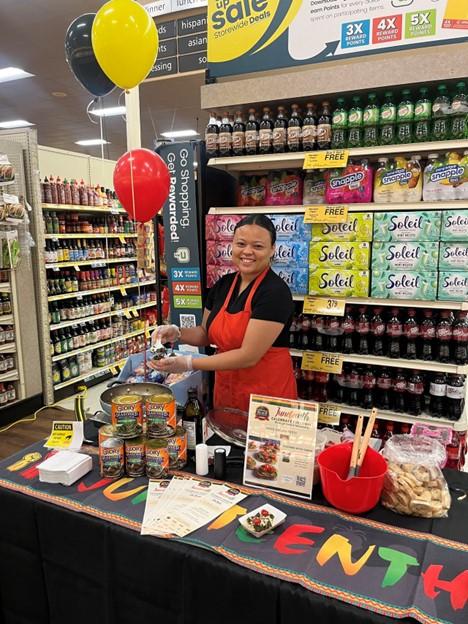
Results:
x,y
280,446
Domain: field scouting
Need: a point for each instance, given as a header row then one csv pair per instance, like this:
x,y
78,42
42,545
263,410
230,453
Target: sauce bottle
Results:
x,y
53,190
193,420
67,192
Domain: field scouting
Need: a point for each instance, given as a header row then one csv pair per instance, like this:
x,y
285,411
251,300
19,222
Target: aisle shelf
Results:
x,y
373,207
96,317
10,403
101,343
11,375
375,360
5,287
401,303
9,347
291,160
98,291
64,265
6,319
94,372
458,425
74,208
79,235
2,184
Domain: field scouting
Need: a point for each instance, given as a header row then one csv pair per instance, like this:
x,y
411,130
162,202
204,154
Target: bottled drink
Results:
x,y
339,125
455,396
354,383
371,121
225,137
440,115
394,331
355,123
384,385
437,393
280,131
294,130
348,326
411,334
399,392
265,141
427,332
444,337
460,339
293,329
320,393
405,115
459,126
309,129
415,390
422,117
368,387
305,329
456,451
363,328
238,135
338,388
405,429
309,385
324,127
376,431
389,426
333,331
377,330
193,420
387,120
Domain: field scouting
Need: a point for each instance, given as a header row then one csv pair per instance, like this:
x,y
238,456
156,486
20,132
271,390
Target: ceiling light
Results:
x,y
13,73
110,111
92,142
176,134
16,123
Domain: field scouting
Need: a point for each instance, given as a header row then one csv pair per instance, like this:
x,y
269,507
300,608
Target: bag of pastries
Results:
x,y
414,484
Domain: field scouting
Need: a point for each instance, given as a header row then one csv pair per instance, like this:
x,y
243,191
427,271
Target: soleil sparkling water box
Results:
x,y
407,226
218,252
453,256
290,226
220,227
358,227
404,285
405,256
453,286
214,272
454,225
339,255
338,283
296,279
292,253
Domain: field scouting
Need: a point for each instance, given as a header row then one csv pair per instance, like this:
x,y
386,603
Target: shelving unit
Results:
x,y
96,317
95,372
99,291
83,209
92,263
92,236
402,303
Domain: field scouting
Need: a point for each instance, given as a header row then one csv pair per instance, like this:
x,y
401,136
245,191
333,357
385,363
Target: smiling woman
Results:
x,y
247,316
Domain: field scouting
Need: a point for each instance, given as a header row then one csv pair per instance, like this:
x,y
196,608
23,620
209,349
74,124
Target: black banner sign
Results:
x,y
164,67
167,48
192,62
192,43
192,25
166,30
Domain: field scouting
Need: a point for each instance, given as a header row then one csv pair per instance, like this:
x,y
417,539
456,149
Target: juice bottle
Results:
x,y
309,129
339,125
60,191
324,127
422,117
280,131
440,115
355,123
225,137
371,121
265,140
53,189
251,133
294,129
238,135
387,120
211,137
459,125
405,115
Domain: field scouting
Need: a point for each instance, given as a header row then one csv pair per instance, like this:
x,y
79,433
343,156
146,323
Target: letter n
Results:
x,y
341,546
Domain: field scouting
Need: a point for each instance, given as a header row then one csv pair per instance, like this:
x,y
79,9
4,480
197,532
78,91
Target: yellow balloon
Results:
x,y
125,41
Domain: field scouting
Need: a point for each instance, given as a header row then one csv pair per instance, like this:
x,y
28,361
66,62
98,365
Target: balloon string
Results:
x,y
101,131
133,187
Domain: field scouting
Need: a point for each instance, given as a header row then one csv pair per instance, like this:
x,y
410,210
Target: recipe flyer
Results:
x,y
280,446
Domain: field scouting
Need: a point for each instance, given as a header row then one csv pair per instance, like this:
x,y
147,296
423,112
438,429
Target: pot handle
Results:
x,y
113,383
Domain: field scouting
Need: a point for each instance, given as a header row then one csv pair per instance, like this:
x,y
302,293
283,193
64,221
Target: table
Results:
x,y
62,567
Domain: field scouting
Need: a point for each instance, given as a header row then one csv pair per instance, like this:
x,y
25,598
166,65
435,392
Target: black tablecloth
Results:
x,y
62,567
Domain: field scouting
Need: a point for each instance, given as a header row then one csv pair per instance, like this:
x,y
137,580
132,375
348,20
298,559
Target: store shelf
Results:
x,y
402,303
2,184
86,209
64,265
12,375
375,360
106,315
299,209
9,404
6,319
261,162
9,347
98,291
101,343
105,235
5,287
94,372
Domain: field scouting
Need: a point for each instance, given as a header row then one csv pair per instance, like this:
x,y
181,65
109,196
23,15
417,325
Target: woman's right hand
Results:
x,y
165,333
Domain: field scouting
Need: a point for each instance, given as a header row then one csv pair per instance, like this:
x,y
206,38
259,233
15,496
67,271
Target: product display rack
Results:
x,y
100,291
133,311
84,209
94,264
92,374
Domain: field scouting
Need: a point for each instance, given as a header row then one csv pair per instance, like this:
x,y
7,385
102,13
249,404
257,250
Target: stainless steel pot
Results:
x,y
143,390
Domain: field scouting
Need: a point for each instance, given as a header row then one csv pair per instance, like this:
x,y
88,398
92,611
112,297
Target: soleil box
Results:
x,y
411,256
296,279
453,286
358,228
453,256
339,255
407,226
404,285
338,283
454,225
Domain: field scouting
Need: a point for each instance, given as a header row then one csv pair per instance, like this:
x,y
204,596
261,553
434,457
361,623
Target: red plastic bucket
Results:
x,y
358,494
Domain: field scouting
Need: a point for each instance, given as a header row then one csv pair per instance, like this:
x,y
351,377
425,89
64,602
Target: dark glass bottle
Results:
x,y
251,133
294,130
193,420
225,137
238,135
280,131
324,127
265,141
309,129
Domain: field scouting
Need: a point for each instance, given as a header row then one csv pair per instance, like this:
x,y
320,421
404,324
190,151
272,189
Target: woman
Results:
x,y
247,316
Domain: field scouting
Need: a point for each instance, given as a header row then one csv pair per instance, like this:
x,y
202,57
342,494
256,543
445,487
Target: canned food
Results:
x,y
127,416
111,458
106,431
160,415
135,457
177,448
157,459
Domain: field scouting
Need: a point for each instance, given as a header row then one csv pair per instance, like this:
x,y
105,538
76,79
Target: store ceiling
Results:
x,y
32,38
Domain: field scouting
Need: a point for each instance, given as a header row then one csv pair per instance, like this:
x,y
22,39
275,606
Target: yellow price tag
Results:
x,y
329,414
113,370
135,313
326,214
76,267
324,305
122,239
322,362
122,290
326,159
147,332
127,314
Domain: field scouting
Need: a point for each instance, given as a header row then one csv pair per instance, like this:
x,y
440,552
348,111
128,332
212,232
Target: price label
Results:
x,y
76,267
114,211
326,159
123,291
135,312
122,239
329,414
10,199
324,305
147,332
127,314
326,214
55,269
322,362
114,370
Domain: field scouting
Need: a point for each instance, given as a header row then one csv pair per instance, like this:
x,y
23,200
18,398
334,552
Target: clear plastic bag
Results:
x,y
414,484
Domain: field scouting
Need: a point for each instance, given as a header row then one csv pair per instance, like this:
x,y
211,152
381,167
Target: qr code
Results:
x,y
300,481
187,320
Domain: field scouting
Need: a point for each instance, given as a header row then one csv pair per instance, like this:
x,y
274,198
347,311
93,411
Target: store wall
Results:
x,y
73,165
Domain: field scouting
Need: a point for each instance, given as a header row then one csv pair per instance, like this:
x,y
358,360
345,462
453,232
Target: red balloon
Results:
x,y
141,181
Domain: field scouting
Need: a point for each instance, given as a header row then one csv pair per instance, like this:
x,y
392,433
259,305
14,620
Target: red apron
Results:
x,y
273,375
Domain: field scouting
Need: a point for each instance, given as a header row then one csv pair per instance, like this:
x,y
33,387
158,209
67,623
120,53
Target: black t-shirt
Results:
x,y
271,302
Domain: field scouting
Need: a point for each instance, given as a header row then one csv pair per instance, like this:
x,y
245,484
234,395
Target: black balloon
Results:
x,y
81,59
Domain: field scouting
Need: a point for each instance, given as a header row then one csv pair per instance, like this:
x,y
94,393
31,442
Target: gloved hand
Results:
x,y
165,333
180,364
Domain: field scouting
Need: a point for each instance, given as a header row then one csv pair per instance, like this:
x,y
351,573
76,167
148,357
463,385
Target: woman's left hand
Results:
x,y
179,364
